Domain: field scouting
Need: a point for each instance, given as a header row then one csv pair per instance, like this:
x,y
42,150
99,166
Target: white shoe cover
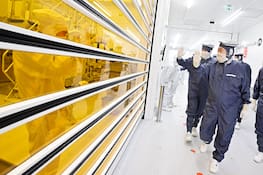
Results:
x,y
194,132
237,126
214,166
203,147
188,137
259,157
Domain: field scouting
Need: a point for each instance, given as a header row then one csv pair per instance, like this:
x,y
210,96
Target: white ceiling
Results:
x,y
194,27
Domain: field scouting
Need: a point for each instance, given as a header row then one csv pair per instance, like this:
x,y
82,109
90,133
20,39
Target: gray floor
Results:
x,y
159,148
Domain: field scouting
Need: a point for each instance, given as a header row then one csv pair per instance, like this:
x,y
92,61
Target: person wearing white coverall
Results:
x,y
170,79
39,74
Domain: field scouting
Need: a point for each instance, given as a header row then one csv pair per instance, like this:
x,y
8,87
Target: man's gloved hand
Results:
x,y
244,111
196,59
180,53
254,105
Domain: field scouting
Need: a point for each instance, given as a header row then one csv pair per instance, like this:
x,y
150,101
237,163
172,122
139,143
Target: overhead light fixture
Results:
x,y
189,3
175,40
102,8
232,17
133,36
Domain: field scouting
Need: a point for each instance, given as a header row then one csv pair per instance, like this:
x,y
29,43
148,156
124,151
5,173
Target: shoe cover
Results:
x,y
214,166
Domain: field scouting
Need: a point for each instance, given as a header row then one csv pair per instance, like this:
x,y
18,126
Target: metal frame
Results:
x,y
74,167
50,152
90,11
111,164
43,157
20,113
149,65
133,120
142,16
42,43
115,160
148,13
129,15
150,7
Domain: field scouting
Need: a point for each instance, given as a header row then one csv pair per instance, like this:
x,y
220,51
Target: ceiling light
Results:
x,y
232,17
102,8
189,3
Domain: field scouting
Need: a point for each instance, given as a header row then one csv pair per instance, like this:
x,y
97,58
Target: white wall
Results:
x,y
255,53
154,86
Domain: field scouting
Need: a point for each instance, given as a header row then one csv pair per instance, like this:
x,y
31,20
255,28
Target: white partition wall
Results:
x,y
155,67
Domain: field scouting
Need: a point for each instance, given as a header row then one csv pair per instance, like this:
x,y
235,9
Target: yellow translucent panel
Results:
x,y
55,18
147,15
130,4
97,153
115,149
148,2
112,11
38,133
143,8
26,75
59,164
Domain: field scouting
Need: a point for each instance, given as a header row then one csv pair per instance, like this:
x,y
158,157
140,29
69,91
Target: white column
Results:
x,y
158,42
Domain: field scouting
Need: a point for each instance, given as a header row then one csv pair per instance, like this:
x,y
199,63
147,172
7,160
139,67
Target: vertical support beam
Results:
x,y
153,89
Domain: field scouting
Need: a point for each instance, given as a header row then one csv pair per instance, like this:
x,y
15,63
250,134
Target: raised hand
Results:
x,y
196,59
180,53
